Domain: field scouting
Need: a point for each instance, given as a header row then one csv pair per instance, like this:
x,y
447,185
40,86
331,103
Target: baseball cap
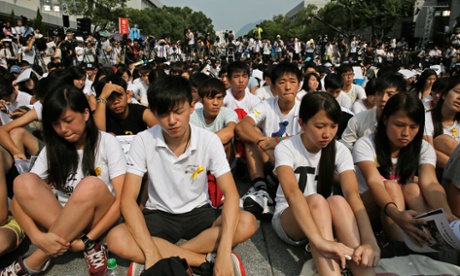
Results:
x,y
15,69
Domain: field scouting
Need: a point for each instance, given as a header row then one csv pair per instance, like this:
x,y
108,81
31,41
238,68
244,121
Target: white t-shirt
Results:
x,y
28,56
172,186
344,100
38,106
364,150
225,116
88,89
246,104
362,124
109,163
356,92
359,107
264,92
452,130
292,153
267,115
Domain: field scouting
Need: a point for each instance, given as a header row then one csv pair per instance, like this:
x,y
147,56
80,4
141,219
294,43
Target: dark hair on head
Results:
x,y
371,87
311,104
121,70
436,114
409,156
102,72
74,73
6,86
155,75
310,64
166,93
196,79
47,85
344,67
22,86
211,87
388,69
307,78
419,85
285,68
390,81
333,81
38,69
177,68
237,66
62,155
6,89
223,70
114,79
145,69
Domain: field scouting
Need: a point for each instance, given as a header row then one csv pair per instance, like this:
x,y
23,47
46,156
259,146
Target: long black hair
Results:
x,y
409,156
311,104
436,114
62,155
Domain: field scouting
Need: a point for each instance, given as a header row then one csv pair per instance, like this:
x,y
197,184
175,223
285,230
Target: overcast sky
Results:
x,y
234,14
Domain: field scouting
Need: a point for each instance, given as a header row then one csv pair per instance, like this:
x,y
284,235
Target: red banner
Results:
x,y
123,25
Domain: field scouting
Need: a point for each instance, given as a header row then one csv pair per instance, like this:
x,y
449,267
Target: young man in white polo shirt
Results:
x,y
176,157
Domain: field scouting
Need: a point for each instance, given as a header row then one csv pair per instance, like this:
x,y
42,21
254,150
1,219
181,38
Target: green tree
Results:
x,y
381,15
38,23
12,18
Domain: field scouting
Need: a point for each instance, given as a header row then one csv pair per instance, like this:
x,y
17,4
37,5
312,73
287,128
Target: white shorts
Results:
x,y
276,224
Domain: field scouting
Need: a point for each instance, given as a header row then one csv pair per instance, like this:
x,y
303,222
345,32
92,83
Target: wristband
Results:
x,y
89,243
280,138
277,139
386,205
99,100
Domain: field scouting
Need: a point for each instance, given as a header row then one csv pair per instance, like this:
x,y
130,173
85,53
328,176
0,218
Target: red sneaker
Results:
x,y
96,259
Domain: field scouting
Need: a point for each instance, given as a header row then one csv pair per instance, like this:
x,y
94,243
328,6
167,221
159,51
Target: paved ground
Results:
x,y
263,254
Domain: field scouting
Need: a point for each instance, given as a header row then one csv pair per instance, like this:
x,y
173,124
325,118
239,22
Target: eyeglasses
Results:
x,y
348,74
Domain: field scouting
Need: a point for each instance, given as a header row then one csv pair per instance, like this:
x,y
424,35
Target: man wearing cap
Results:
x,y
279,46
91,70
15,70
79,50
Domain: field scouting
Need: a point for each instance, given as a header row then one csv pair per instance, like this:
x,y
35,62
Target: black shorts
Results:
x,y
173,227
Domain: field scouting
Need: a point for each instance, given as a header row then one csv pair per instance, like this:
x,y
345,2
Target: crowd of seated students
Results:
x,y
330,163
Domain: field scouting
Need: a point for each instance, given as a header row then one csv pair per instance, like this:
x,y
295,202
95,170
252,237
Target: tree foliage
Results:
x,y
349,16
38,22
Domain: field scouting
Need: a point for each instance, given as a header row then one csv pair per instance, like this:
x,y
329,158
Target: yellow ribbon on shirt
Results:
x,y
197,171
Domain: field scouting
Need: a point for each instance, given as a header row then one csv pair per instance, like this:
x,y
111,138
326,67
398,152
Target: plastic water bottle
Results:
x,y
112,268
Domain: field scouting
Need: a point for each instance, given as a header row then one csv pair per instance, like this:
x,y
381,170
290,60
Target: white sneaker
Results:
x,y
259,203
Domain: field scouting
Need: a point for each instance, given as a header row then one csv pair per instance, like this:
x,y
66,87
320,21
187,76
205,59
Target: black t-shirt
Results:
x,y
131,125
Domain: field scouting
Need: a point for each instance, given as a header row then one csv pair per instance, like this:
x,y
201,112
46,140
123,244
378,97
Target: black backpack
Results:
x,y
172,266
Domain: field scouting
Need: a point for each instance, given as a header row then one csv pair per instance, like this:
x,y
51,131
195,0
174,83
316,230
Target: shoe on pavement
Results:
x,y
96,260
17,268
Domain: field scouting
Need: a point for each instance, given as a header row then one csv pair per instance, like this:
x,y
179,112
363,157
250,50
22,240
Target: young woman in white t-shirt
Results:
x,y
71,197
307,209
389,161
442,124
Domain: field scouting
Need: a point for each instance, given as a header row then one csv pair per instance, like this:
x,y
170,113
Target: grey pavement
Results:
x,y
263,254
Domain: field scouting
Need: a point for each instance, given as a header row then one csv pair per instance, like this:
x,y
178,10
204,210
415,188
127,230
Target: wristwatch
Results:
x,y
99,100
89,243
